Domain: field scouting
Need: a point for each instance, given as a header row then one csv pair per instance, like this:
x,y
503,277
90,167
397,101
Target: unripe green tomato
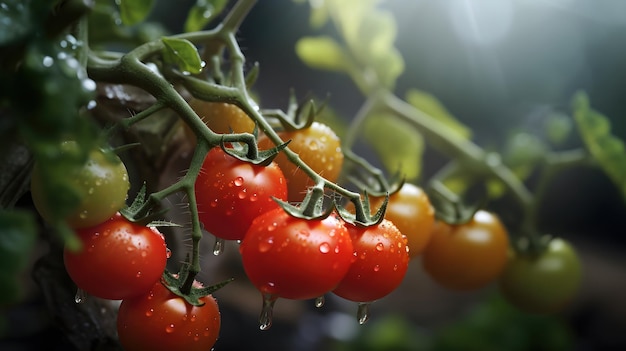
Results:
x,y
543,283
101,183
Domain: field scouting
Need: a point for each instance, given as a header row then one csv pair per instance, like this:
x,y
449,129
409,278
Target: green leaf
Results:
x,y
182,53
558,127
134,11
322,52
17,240
398,144
431,106
595,130
202,13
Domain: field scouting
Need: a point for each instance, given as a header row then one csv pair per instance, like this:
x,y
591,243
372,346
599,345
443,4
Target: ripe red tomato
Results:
x,y
101,182
411,212
467,256
119,259
318,146
294,258
231,193
160,320
381,262
542,283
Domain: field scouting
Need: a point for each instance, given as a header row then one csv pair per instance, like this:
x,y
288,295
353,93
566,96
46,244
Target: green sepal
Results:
x,y
363,216
453,208
311,207
139,213
241,151
175,282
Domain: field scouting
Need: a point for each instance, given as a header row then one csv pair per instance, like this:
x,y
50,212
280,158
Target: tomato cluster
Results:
x,y
123,260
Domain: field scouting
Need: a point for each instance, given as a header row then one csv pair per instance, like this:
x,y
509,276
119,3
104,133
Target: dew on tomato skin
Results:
x,y
266,245
254,197
272,227
376,268
149,312
380,247
193,318
337,249
131,248
238,181
144,254
395,267
324,248
138,275
242,194
83,215
319,302
169,328
213,203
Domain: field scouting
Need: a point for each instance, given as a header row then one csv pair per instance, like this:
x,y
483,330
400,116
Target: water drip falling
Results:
x,y
218,248
319,302
265,319
80,296
362,313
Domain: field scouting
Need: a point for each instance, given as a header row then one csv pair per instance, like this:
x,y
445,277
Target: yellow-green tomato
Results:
x,y
101,183
543,283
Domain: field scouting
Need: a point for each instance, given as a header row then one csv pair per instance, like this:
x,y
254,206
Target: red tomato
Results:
x,y
160,320
381,262
231,193
296,258
119,259
319,147
467,256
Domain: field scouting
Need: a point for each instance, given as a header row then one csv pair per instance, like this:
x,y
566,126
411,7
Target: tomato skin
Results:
x,y
543,283
160,320
231,193
467,256
220,117
102,182
318,146
294,258
412,213
381,262
119,259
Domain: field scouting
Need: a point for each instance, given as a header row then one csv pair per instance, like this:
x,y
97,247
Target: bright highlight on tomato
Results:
x,y
231,193
159,320
467,256
295,258
318,146
380,265
545,282
119,259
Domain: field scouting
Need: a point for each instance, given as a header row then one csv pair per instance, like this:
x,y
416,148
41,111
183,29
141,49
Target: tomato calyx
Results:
x,y
140,212
192,291
295,118
312,207
453,208
362,216
532,244
245,153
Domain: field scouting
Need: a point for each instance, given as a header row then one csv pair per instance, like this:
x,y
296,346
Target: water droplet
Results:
x,y
149,312
169,328
193,318
168,252
138,275
380,247
98,182
213,203
131,248
265,319
80,296
324,248
376,268
254,197
266,245
218,247
145,254
83,215
48,61
395,267
242,194
90,191
272,227
238,181
319,302
362,312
